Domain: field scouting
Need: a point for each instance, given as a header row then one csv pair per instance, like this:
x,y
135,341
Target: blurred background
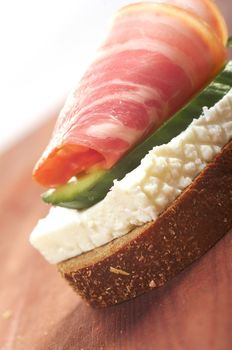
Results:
x,y
45,47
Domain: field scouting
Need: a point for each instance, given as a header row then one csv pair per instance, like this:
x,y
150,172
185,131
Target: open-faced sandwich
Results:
x,y
139,167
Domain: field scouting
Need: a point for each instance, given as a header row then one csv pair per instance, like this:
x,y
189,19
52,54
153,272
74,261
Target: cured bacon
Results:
x,y
154,59
207,10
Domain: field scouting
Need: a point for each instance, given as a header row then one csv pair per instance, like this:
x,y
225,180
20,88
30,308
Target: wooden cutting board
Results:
x,y
38,310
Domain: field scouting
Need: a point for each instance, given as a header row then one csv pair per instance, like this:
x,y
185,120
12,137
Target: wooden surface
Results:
x,y
39,311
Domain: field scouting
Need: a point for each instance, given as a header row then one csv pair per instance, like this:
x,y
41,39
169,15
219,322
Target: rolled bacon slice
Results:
x,y
154,59
207,10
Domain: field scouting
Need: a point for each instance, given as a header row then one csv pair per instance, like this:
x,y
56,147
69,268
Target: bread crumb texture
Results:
x,y
118,271
7,314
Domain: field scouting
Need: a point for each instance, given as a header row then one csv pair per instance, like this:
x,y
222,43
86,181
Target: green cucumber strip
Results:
x,y
73,189
229,42
93,187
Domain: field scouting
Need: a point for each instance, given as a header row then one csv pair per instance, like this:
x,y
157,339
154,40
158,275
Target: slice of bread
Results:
x,y
150,255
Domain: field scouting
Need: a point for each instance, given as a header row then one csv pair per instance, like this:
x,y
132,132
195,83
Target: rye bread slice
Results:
x,y
150,255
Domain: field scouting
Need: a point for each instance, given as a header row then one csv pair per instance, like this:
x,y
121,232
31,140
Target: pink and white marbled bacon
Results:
x,y
154,59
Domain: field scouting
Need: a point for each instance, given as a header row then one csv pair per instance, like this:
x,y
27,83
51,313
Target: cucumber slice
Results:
x,y
93,187
229,42
74,189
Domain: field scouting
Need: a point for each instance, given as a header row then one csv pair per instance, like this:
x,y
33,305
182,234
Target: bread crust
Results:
x,y
151,255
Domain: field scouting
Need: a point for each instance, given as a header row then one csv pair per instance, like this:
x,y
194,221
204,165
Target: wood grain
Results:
x,y
39,311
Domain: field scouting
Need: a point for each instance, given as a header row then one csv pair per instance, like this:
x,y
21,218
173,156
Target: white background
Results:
x,y
45,46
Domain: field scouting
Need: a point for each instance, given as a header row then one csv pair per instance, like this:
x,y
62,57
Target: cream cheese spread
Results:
x,y
142,194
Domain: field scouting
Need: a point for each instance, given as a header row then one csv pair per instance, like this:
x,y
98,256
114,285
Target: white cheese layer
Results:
x,y
142,194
